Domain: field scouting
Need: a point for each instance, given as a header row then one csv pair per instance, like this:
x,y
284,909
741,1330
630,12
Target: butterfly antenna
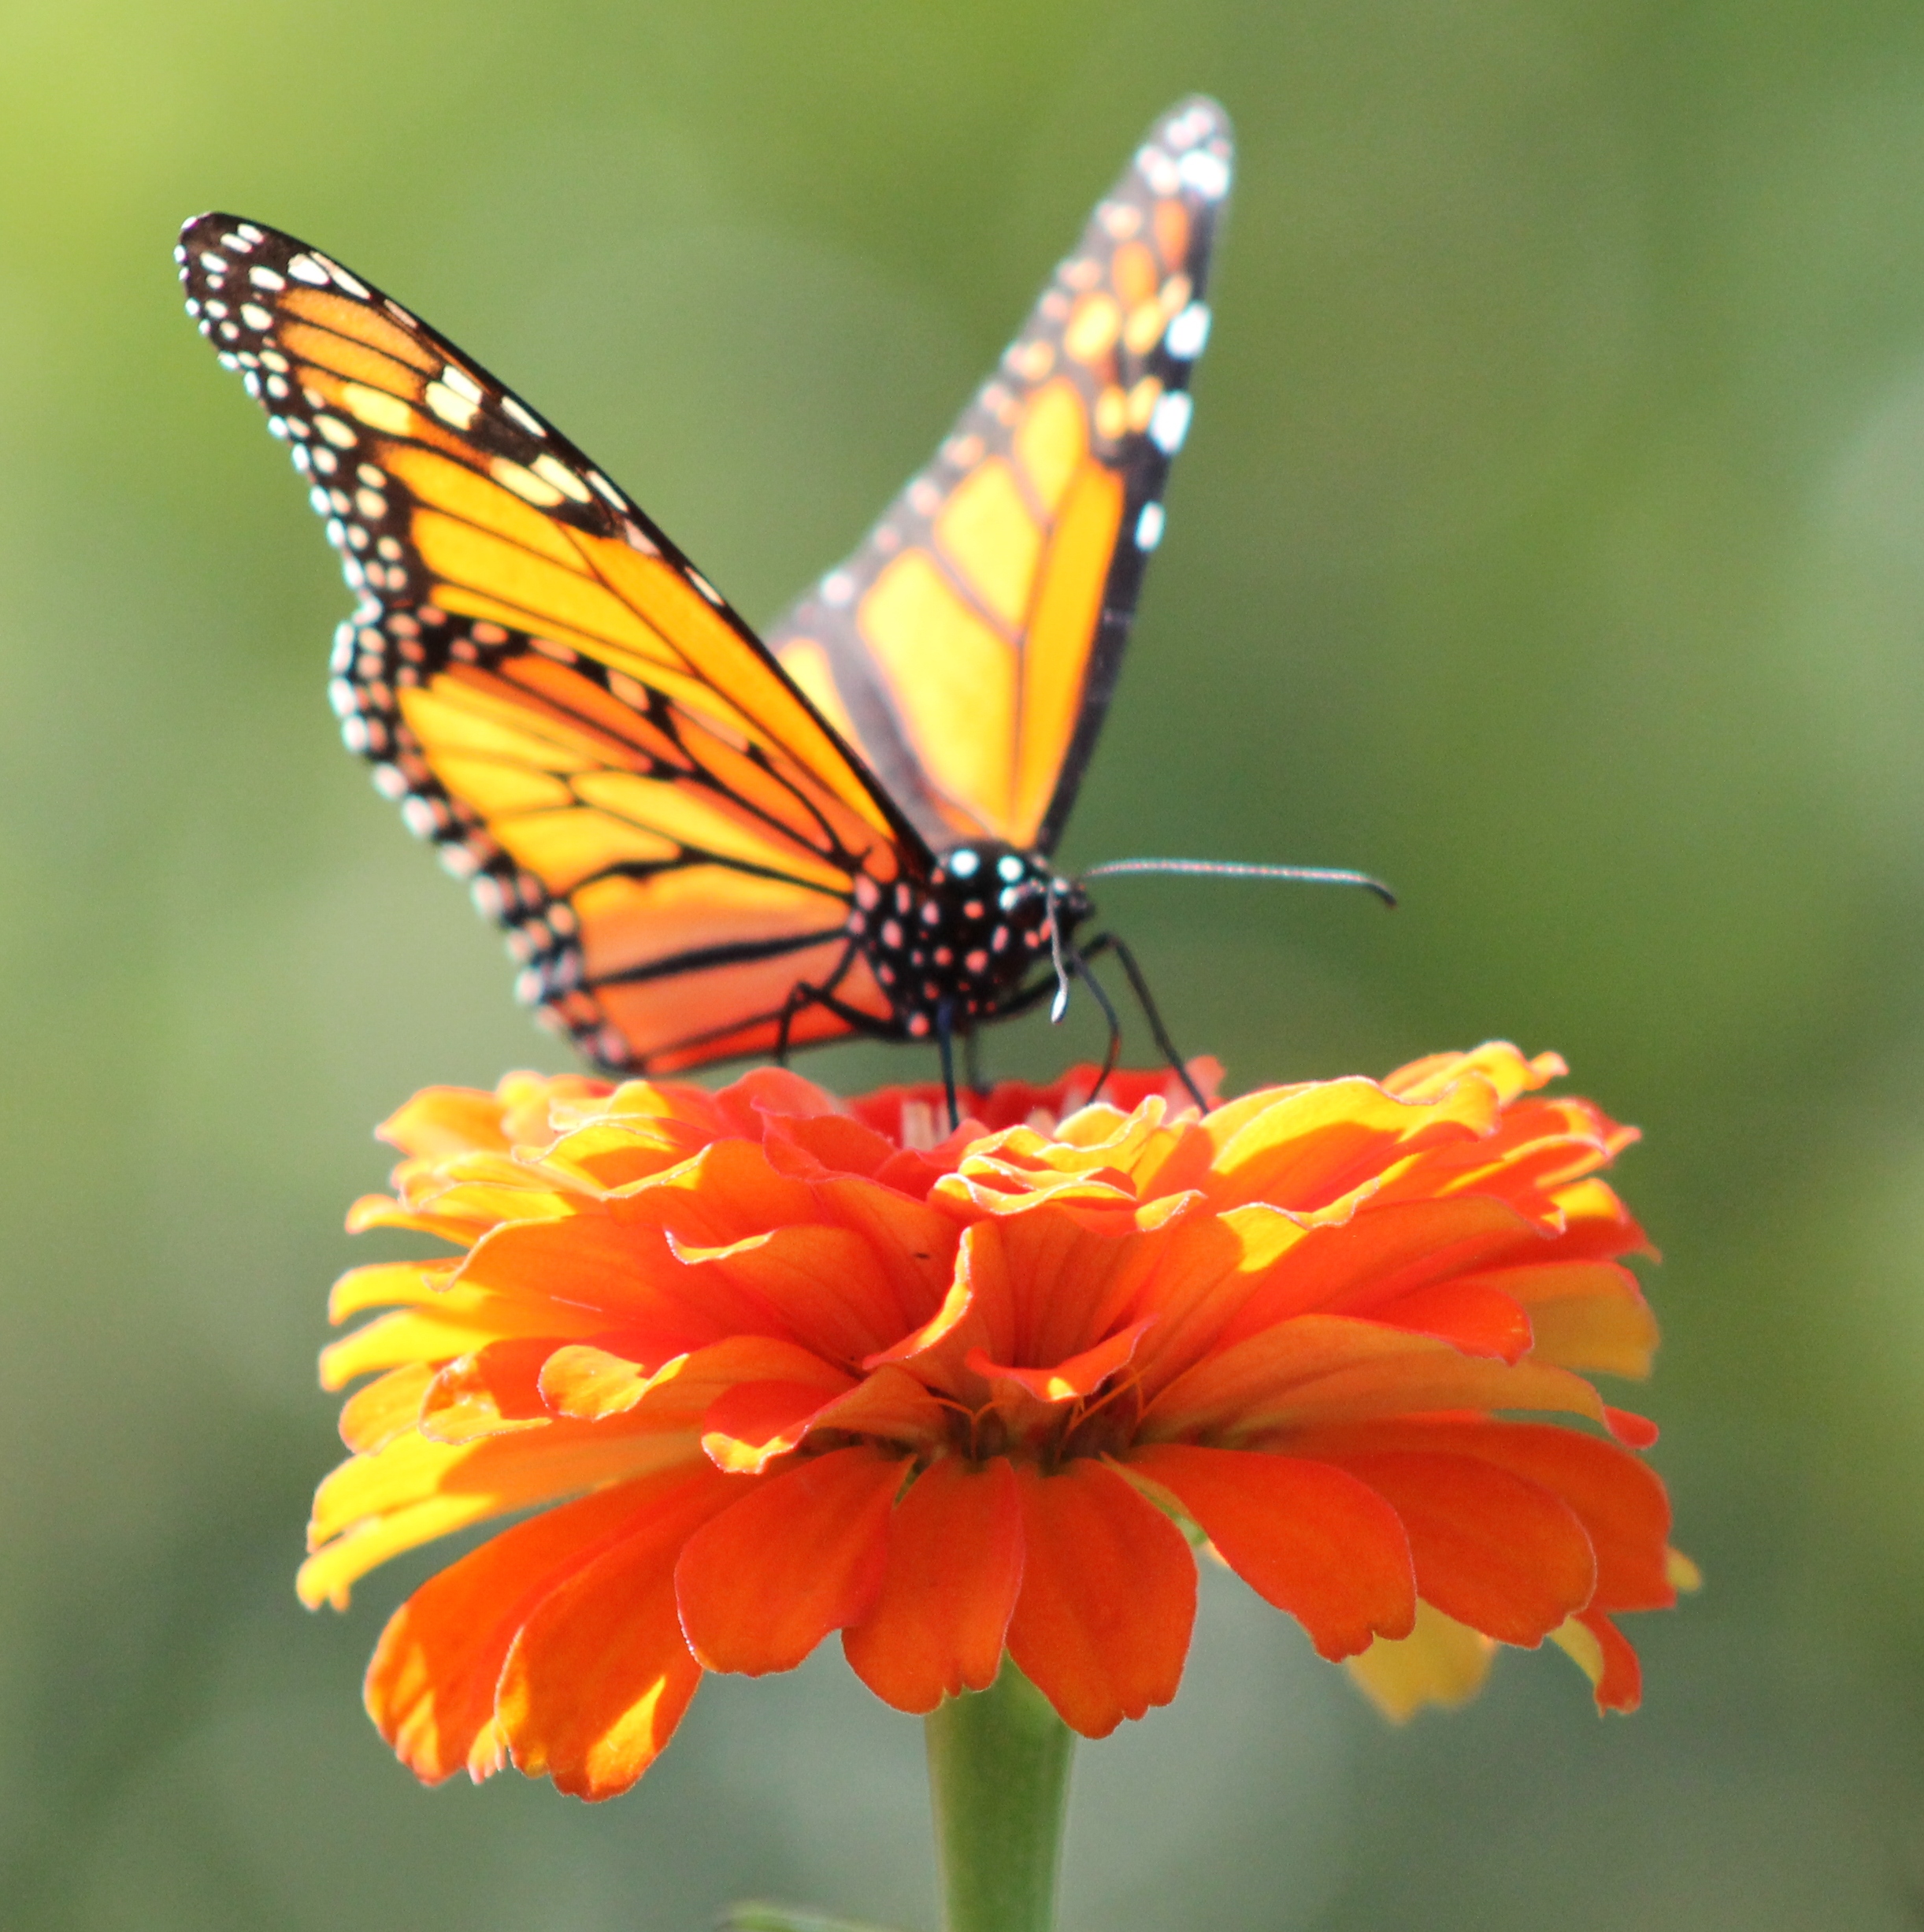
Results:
x,y
1234,869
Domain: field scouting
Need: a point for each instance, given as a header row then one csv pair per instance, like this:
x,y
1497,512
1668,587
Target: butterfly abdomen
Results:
x,y
958,946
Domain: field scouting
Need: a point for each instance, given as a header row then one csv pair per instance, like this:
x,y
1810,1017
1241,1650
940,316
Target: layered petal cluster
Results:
x,y
766,1364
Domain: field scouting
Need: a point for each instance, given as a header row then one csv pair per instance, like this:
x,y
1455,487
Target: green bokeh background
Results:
x,y
1550,541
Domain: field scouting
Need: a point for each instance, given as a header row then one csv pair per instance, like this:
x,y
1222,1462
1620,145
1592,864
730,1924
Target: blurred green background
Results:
x,y
1550,541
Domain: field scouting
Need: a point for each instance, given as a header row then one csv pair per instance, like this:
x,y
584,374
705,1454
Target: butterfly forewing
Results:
x,y
969,647
550,690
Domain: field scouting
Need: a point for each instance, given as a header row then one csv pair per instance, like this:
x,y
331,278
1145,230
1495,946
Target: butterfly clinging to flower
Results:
x,y
702,844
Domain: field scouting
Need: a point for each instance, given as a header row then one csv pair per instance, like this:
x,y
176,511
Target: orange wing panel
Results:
x,y
988,538
1068,605
562,847
1052,441
352,318
629,923
680,1018
955,680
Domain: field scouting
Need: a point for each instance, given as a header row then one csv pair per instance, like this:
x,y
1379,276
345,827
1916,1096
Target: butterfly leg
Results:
x,y
1079,965
803,995
1107,942
800,995
945,1045
972,1059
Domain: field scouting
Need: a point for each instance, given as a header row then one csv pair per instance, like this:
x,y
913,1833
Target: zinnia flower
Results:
x,y
772,1365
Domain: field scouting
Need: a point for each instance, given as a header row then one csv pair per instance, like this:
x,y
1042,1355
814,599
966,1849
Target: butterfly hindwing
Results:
x,y
969,647
555,697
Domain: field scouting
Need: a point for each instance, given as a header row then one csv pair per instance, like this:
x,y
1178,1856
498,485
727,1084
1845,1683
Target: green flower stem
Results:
x,y
999,1780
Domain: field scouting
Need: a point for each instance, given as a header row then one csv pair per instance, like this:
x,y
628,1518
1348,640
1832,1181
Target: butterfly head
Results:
x,y
963,940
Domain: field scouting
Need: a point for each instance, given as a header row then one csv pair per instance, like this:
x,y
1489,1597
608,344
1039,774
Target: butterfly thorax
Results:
x,y
960,941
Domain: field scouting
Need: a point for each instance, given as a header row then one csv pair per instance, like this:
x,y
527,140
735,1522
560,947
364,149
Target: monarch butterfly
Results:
x,y
703,845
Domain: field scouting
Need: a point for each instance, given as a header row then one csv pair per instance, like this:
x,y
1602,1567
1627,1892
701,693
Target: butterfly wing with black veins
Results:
x,y
969,647
551,692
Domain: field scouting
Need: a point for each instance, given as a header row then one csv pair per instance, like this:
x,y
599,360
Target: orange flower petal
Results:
x,y
1326,1367
593,1383
437,1332
1378,1254
1079,1375
600,1673
430,1687
496,1389
611,1274
1605,1656
414,1490
376,1413
825,1285
1619,1501
890,1403
1637,1432
1583,1315
1597,1224
1314,1144
801,1554
1492,1550
723,1194
955,1565
748,1426
833,1143
1440,1661
1046,1287
1495,1060
1102,1625
1311,1539
1476,1318
386,1283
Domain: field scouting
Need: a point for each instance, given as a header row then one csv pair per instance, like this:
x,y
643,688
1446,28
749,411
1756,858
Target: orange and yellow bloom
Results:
x,y
772,1365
